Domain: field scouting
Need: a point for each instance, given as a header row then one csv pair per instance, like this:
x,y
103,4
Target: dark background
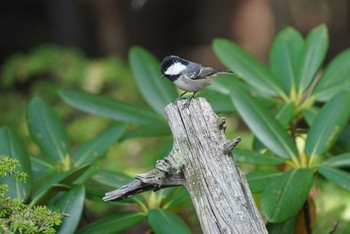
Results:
x,y
186,28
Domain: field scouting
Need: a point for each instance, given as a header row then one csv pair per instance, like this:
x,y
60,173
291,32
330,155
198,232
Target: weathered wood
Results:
x,y
201,161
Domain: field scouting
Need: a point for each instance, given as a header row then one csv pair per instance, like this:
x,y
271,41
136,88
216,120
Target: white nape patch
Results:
x,y
175,69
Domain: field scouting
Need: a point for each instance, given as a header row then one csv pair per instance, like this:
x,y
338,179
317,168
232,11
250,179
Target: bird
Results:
x,y
188,76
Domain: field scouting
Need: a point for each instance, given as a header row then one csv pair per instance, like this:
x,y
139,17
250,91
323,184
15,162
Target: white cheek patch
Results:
x,y
175,69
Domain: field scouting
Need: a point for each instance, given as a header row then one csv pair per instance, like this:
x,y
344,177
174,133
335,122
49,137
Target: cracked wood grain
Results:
x,y
201,161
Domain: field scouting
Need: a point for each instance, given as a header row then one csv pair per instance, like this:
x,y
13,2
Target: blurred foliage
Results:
x,y
61,65
295,133
64,175
296,111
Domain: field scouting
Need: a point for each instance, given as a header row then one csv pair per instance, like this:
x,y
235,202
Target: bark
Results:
x,y
201,161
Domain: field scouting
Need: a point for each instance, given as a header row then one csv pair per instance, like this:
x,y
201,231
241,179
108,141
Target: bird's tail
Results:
x,y
225,73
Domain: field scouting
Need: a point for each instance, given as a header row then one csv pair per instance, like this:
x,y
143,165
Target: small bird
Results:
x,y
187,75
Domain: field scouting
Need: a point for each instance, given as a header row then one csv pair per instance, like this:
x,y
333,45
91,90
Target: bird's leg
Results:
x,y
188,102
179,97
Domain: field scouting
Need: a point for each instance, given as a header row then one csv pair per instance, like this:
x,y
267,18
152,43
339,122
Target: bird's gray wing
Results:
x,y
197,71
207,71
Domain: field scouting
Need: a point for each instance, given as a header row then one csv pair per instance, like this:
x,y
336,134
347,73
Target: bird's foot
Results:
x,y
186,104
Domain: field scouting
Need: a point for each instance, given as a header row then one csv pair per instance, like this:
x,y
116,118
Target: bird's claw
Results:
x,y
186,104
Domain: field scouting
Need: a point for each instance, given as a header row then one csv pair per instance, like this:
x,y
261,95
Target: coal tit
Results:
x,y
187,75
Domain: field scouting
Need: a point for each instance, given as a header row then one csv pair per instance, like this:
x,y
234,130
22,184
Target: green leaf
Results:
x,y
47,130
87,174
342,160
328,124
41,169
258,180
154,129
178,196
220,103
109,107
145,67
291,188
71,203
97,147
254,157
287,227
262,123
342,143
51,192
257,145
12,146
284,56
166,222
113,223
313,54
55,183
285,114
336,78
222,84
339,177
310,114
74,174
247,67
112,179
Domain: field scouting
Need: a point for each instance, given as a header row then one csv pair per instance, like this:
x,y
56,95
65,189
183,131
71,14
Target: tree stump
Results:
x,y
201,161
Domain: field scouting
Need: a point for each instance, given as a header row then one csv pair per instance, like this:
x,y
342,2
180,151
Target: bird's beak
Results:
x,y
162,76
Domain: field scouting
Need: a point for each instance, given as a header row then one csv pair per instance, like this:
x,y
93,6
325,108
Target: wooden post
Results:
x,y
201,161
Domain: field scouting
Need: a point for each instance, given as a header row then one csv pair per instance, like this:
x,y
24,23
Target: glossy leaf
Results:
x,y
339,177
313,54
166,222
91,170
262,123
146,70
336,78
254,157
291,188
220,103
113,223
74,174
284,57
112,179
41,169
47,130
71,203
109,107
223,84
247,67
287,227
342,160
310,114
42,186
342,144
47,188
178,197
285,114
155,129
257,145
328,124
97,147
12,146
258,180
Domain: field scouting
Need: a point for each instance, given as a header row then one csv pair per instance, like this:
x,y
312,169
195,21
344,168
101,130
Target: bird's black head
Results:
x,y
172,66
